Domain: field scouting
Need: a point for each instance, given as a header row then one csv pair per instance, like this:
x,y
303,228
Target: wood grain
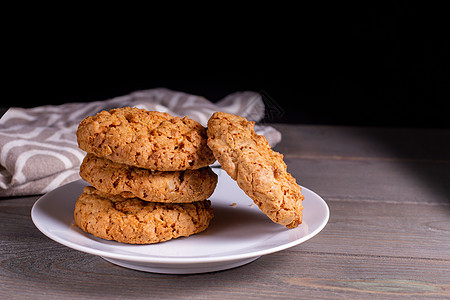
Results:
x,y
387,238
419,231
365,142
391,181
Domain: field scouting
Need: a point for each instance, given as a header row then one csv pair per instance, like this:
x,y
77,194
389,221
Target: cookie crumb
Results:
x,y
233,204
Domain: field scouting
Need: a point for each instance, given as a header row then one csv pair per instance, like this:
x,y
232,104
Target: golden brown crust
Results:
x,y
139,222
146,139
259,171
155,186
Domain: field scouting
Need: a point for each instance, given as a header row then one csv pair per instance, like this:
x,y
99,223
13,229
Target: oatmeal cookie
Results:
x,y
135,221
259,171
155,186
146,139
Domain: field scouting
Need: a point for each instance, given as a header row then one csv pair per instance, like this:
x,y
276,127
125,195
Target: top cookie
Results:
x,y
146,139
259,171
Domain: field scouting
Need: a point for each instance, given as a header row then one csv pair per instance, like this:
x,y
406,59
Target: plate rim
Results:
x,y
173,260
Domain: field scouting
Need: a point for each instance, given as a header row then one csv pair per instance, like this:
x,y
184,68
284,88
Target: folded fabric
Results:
x,y
38,146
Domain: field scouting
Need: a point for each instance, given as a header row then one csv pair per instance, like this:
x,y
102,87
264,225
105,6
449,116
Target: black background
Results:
x,y
363,65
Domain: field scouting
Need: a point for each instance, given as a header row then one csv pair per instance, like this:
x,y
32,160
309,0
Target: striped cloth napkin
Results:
x,y
38,146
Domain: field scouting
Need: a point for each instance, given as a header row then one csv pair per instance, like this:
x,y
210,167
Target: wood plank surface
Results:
x,y
392,181
388,236
364,142
354,256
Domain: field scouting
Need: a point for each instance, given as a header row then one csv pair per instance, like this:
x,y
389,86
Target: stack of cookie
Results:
x,y
149,173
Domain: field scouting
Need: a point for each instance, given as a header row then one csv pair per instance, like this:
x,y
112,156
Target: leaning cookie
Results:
x,y
135,221
155,186
259,171
146,139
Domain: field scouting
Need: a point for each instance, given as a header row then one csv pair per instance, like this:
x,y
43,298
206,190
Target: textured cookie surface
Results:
x,y
259,171
147,139
156,186
139,222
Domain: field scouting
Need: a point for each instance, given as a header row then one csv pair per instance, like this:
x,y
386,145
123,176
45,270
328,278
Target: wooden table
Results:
x,y
388,235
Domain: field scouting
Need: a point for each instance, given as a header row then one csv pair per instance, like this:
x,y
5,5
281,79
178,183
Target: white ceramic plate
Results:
x,y
238,234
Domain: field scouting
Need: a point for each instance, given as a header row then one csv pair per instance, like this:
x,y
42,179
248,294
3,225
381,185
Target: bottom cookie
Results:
x,y
135,221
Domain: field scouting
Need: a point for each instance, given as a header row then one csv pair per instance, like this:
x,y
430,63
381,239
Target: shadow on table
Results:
x,y
367,163
422,154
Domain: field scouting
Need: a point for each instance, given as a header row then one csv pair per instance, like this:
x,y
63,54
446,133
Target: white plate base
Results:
x,y
181,269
